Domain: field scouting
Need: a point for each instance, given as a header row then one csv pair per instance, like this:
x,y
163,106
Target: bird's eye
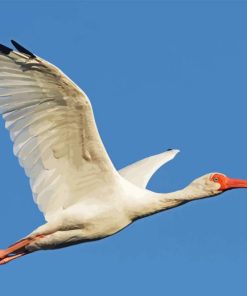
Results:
x,y
215,179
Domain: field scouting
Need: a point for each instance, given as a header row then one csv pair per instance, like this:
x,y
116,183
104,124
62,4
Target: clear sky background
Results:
x,y
159,75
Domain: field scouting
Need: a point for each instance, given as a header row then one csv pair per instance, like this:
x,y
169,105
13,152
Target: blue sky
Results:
x,y
159,75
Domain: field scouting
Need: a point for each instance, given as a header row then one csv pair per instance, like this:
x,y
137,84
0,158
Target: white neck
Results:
x,y
153,202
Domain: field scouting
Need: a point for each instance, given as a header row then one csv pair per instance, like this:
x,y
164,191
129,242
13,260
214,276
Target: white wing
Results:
x,y
140,172
52,126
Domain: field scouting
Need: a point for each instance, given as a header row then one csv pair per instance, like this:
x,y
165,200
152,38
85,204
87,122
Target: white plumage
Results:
x,y
140,172
52,126
73,180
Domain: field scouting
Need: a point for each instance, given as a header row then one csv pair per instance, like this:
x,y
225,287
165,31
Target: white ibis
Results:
x,y
73,180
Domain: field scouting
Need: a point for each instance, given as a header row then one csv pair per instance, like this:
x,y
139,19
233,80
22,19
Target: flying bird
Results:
x,y
73,181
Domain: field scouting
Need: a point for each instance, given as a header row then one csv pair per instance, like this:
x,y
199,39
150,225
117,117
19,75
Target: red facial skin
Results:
x,y
227,183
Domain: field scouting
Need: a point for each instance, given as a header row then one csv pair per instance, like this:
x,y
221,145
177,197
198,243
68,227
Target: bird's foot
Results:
x,y
17,249
2,254
10,258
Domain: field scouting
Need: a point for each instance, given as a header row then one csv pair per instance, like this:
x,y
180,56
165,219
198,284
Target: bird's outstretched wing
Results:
x,y
140,172
51,123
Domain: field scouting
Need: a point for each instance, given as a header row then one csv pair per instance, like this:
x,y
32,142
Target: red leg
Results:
x,y
16,250
13,248
10,258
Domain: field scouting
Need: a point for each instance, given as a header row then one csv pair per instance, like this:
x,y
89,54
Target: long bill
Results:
x,y
234,183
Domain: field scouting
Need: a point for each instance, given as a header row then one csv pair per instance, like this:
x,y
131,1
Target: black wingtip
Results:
x,y
169,149
22,49
4,49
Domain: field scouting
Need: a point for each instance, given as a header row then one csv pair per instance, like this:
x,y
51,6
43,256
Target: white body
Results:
x,y
119,204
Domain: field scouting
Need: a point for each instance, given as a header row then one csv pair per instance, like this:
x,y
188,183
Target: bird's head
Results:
x,y
215,183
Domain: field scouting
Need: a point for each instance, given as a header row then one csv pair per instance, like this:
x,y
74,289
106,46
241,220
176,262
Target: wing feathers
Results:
x,y
22,49
52,126
140,172
4,49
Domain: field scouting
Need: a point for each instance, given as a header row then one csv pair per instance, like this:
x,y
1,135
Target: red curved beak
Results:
x,y
234,183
